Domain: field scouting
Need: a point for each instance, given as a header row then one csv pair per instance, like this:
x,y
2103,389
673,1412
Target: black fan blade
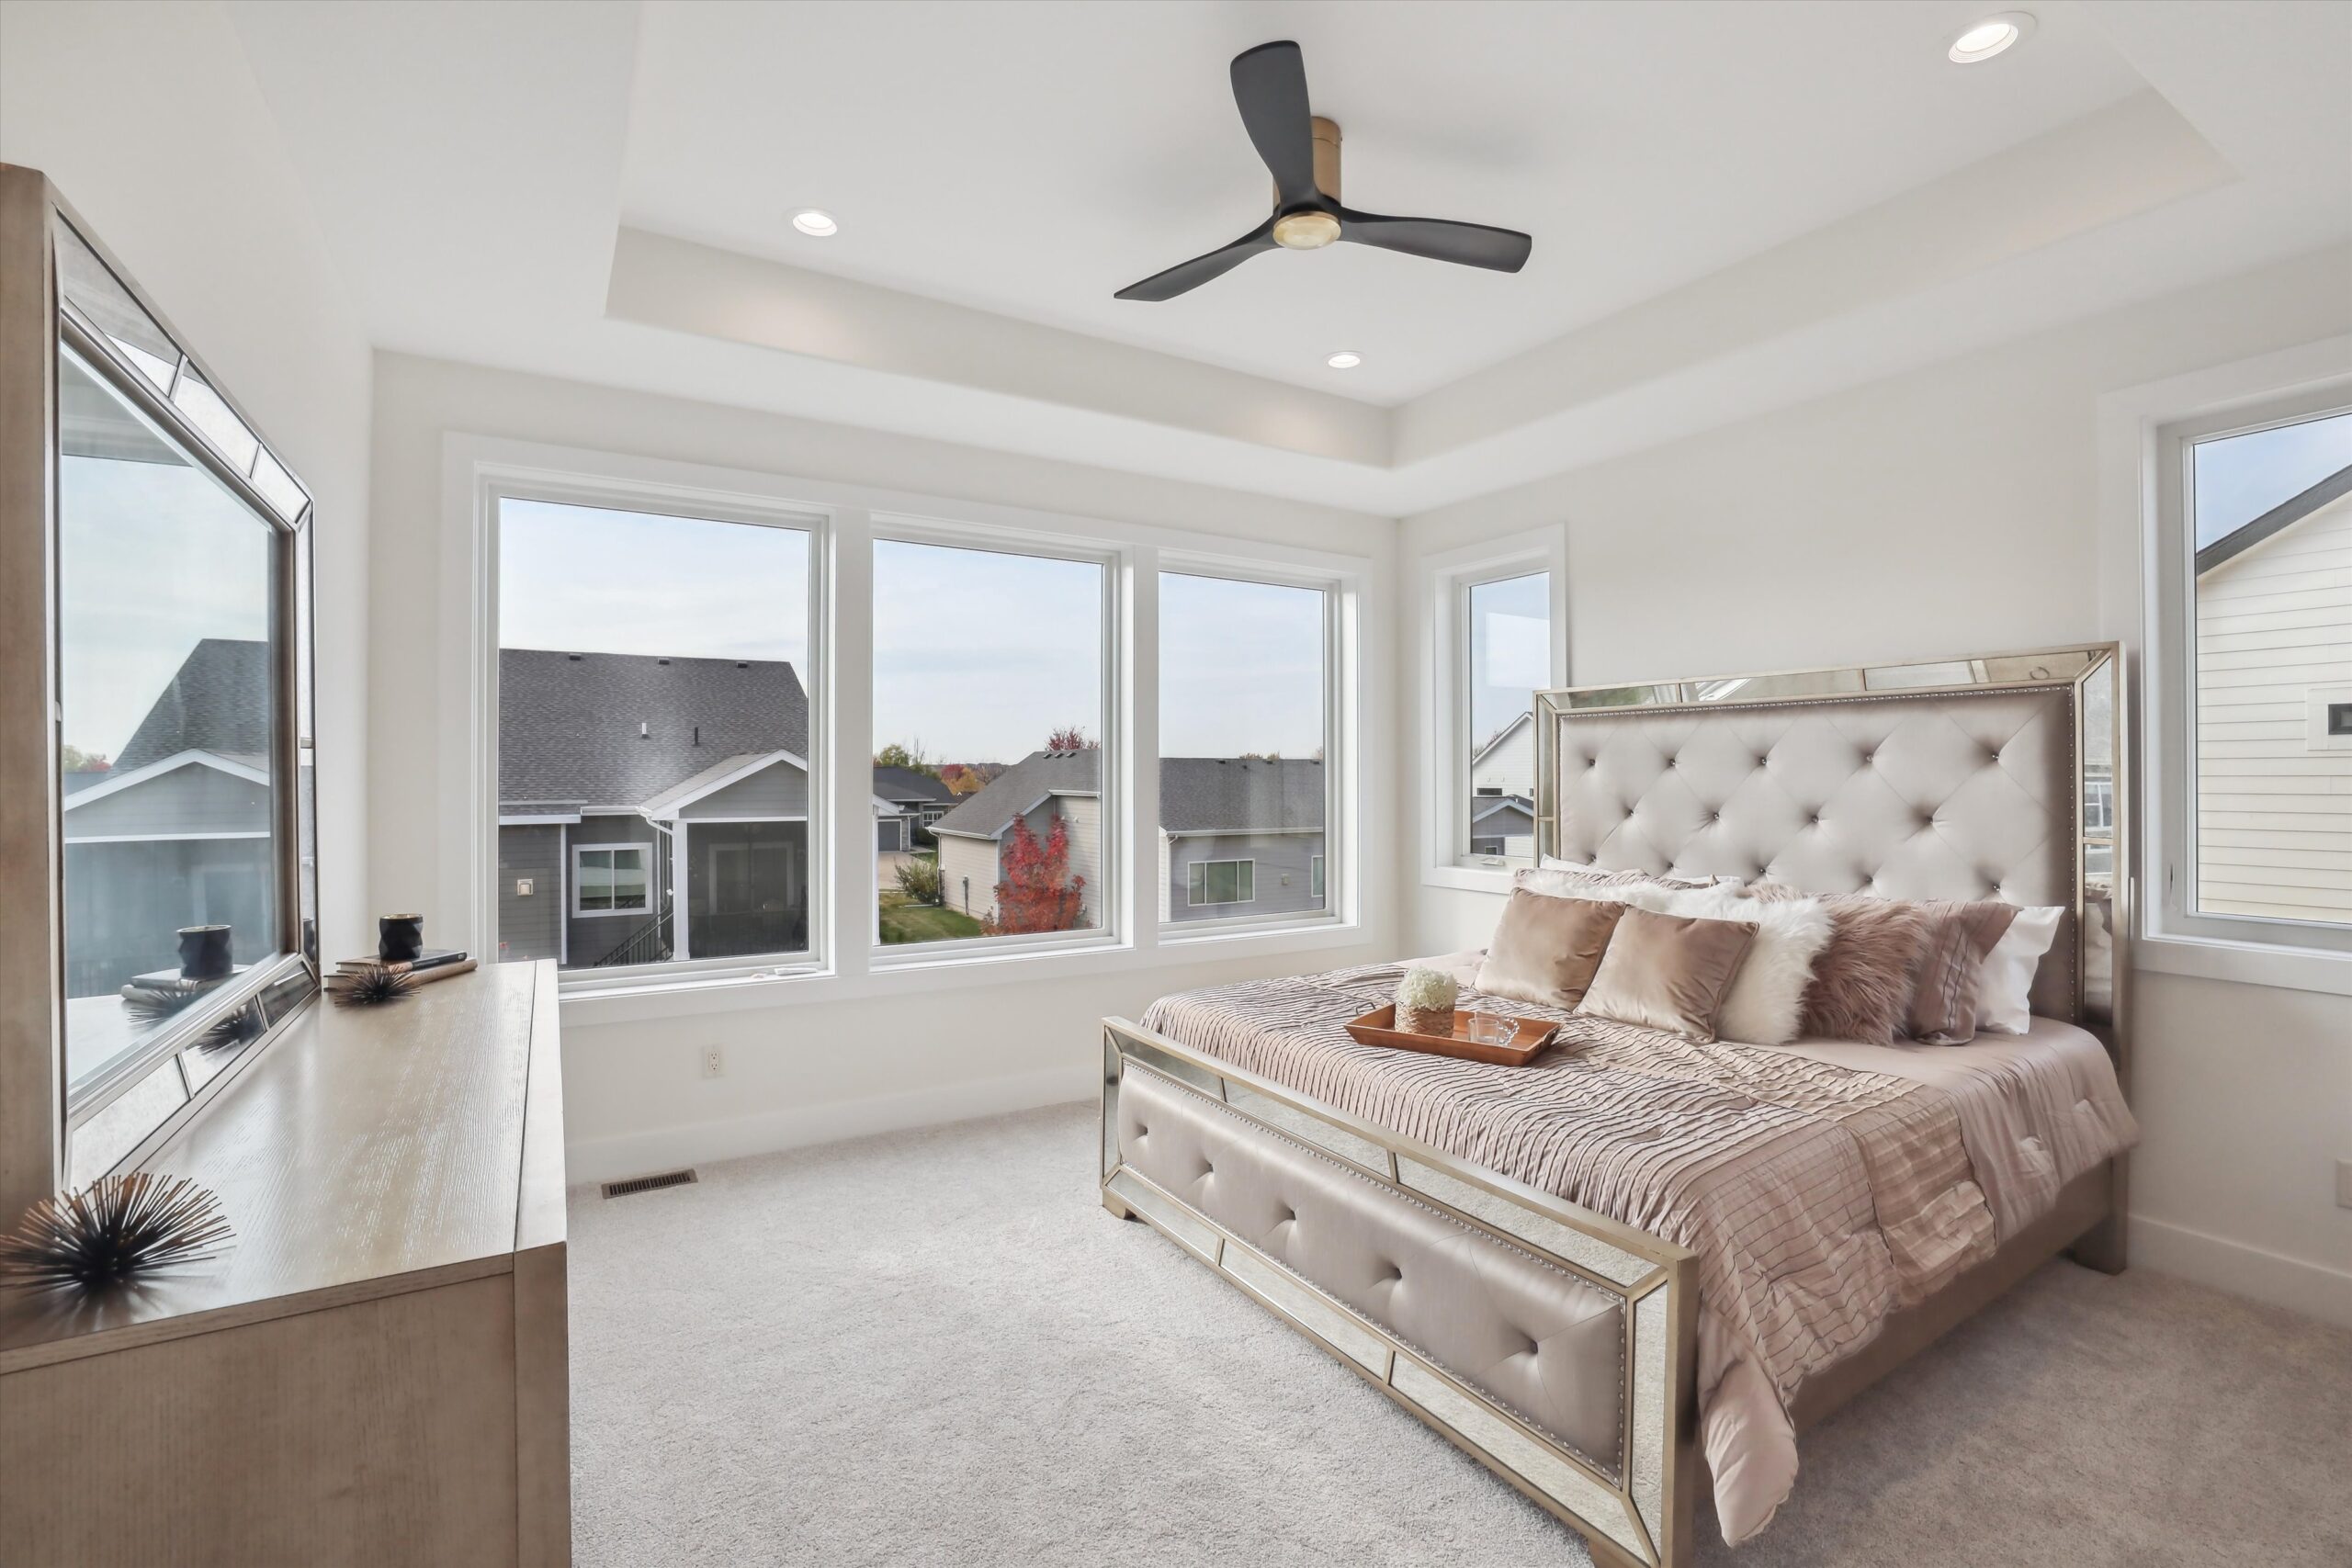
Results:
x,y
1185,276
1440,239
1269,88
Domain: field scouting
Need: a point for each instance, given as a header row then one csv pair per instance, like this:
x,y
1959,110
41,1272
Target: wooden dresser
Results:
x,y
377,1371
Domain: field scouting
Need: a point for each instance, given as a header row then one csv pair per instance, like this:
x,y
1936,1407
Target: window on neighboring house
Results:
x,y
1223,881
611,881
2256,807
996,661
1505,659
1245,774
654,737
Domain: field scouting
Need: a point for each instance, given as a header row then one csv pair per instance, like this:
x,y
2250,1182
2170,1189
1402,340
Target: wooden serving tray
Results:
x,y
1379,1028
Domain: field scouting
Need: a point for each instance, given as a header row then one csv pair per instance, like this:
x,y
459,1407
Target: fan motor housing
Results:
x,y
1313,231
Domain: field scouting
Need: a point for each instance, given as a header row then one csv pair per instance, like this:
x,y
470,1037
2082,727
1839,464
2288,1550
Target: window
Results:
x,y
2256,787
613,881
1506,658
1244,742
991,663
1223,882
654,736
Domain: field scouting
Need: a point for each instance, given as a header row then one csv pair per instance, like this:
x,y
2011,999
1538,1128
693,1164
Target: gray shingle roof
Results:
x,y
1200,795
569,723
1018,788
218,702
2286,515
905,784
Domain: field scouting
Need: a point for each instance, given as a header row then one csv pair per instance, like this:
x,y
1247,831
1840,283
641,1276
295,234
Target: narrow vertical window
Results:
x,y
654,805
1245,739
2270,532
990,675
1508,625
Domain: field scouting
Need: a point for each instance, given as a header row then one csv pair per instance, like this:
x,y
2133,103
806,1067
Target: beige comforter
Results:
x,y
1823,1186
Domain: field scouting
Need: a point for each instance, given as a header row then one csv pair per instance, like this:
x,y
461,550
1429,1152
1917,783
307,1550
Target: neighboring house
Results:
x,y
1240,836
918,801
177,832
2273,710
1040,787
635,790
1502,791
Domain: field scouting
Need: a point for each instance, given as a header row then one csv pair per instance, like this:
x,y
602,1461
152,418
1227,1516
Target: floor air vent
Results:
x,y
637,1184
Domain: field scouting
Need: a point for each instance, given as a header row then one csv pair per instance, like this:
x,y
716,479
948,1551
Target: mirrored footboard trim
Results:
x,y
1638,1511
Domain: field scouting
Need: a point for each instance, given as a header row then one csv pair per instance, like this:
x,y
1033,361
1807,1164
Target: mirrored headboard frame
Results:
x,y
2090,674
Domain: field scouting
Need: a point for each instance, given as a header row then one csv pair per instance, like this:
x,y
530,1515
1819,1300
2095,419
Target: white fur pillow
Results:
x,y
1766,1005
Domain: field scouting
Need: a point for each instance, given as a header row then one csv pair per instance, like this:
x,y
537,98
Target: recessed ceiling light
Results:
x,y
1346,359
1983,40
820,225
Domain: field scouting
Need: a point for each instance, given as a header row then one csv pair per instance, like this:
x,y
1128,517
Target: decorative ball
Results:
x,y
113,1231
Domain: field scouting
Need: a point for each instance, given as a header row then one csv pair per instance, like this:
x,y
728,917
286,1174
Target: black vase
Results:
x,y
204,953
400,938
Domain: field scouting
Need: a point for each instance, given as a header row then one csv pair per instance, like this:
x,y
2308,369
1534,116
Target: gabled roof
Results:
x,y
622,729
905,784
252,770
1021,786
2287,513
1488,805
1240,795
219,703
1498,736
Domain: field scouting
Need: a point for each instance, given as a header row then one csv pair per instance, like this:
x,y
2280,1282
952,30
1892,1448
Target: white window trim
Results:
x,y
1443,584
2143,578
1341,599
1203,866
839,966
646,910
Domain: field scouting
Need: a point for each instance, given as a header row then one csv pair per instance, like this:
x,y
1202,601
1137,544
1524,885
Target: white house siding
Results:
x,y
2274,816
191,799
776,792
1509,768
1283,875
967,874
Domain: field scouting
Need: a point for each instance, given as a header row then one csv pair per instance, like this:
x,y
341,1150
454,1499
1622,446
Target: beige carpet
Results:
x,y
935,1348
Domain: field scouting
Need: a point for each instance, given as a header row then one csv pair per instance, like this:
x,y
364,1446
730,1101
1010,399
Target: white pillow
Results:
x,y
1766,1003
2005,984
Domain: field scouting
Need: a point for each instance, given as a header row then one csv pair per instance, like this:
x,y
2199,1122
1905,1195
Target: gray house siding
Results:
x,y
126,902
1283,872
192,798
530,925
595,936
779,790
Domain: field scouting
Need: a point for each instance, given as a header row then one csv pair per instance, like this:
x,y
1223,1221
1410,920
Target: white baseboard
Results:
x,y
2311,1288
665,1148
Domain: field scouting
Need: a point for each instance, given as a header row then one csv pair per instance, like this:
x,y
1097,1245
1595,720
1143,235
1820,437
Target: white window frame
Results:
x,y
1339,675
2142,435
1446,580
1204,868
843,868
645,854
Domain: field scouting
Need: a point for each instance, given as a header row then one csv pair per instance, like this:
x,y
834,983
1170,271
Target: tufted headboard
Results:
x,y
1981,778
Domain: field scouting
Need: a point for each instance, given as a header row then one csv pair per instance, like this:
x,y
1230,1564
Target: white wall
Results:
x,y
1956,510
147,118
888,1050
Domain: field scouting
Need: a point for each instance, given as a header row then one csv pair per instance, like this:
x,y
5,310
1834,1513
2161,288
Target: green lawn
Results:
x,y
902,921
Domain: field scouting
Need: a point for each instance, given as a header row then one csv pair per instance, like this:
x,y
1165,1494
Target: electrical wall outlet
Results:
x,y
2343,1184
714,1062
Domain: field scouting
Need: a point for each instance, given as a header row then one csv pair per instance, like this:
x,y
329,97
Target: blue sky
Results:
x,y
1510,644
979,655
2239,478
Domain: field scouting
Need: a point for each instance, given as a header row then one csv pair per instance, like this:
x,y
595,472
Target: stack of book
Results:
x,y
433,964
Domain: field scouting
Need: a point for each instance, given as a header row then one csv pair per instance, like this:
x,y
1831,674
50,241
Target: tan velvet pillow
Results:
x,y
1668,972
1861,981
1545,950
1951,958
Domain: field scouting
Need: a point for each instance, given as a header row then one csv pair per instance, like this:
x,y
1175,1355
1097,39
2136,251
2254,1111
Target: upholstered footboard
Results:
x,y
1556,1345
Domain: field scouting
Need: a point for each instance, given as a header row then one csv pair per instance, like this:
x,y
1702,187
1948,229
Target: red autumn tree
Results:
x,y
1038,894
1072,739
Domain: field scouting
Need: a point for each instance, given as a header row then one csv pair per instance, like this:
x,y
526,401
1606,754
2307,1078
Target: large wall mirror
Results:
x,y
166,550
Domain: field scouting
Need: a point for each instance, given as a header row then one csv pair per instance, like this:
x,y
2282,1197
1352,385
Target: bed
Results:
x,y
1642,1265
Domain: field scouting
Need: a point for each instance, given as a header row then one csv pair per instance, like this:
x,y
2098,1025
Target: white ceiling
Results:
x,y
1721,195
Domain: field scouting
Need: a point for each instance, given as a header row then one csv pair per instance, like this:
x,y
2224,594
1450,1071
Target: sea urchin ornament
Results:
x,y
113,1231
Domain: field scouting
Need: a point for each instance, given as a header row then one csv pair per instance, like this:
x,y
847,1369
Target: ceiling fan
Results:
x,y
1302,152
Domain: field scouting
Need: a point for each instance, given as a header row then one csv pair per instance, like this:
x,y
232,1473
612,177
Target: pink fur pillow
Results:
x,y
1862,980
